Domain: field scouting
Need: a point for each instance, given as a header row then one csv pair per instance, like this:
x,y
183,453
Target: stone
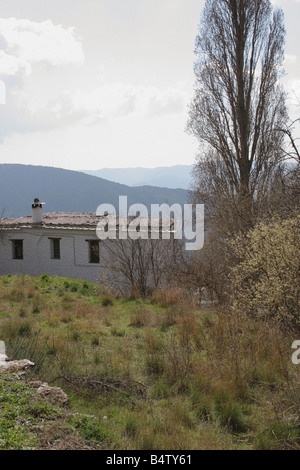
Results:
x,y
34,383
16,366
55,395
12,366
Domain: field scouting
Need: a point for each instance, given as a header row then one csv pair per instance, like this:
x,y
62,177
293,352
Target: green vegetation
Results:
x,y
143,374
28,422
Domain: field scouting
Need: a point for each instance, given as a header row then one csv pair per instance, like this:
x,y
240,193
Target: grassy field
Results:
x,y
156,374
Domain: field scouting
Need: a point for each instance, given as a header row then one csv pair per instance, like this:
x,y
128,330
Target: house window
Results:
x,y
94,256
55,248
17,249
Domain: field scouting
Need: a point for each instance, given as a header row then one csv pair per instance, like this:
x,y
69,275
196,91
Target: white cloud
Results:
x,y
290,58
292,87
32,107
115,143
109,101
10,65
127,105
26,42
168,101
282,3
108,104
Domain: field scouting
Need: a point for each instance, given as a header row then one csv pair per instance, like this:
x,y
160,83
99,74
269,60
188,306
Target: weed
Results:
x,y
131,426
95,341
230,413
278,435
24,329
107,301
90,428
117,332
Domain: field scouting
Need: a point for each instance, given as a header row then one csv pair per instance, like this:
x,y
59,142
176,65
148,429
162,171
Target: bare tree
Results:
x,y
291,148
238,104
137,265
237,111
291,151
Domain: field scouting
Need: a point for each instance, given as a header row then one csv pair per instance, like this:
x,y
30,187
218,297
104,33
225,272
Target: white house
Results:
x,y
57,243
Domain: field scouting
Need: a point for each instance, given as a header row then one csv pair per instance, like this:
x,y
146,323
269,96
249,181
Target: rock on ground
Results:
x,y
53,394
15,366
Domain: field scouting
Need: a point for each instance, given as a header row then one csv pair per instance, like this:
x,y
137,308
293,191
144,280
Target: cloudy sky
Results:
x,y
105,83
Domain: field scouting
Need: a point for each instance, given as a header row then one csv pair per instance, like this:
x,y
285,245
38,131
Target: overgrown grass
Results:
x,y
157,374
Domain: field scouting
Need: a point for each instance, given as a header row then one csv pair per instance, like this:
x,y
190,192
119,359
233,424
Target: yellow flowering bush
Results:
x,y
266,279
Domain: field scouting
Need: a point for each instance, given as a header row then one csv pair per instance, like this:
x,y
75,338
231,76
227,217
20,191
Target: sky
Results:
x,y
90,84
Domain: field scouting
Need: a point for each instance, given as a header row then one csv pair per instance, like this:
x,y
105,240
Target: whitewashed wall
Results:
x,y
74,254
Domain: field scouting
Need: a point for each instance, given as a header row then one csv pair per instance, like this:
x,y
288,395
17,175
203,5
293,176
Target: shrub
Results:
x,y
266,280
36,304
230,414
166,296
74,287
24,329
204,409
95,341
106,301
76,336
90,428
141,317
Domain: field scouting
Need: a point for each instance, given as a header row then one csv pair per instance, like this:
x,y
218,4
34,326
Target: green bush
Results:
x,y
107,301
90,428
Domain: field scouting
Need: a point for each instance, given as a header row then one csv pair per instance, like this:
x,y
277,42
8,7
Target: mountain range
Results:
x,y
71,191
177,176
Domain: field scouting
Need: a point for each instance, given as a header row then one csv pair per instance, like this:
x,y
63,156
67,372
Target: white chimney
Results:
x,y
37,211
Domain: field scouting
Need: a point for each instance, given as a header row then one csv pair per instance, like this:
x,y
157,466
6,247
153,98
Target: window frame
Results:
x,y
15,247
92,254
55,251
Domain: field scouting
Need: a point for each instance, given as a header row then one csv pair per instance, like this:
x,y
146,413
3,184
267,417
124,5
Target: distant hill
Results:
x,y
177,176
71,191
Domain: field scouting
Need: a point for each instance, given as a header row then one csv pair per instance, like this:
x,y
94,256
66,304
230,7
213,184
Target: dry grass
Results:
x,y
168,296
210,379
